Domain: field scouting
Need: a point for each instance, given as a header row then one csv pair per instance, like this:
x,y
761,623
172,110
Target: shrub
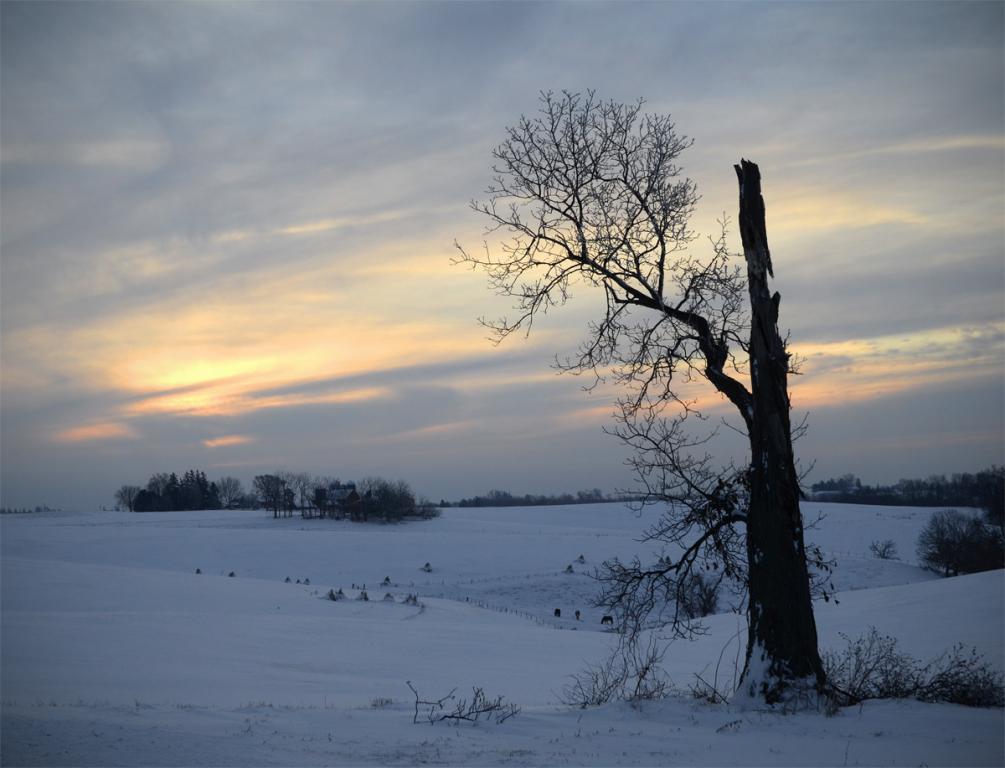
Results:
x,y
631,673
884,550
479,706
698,596
872,667
954,543
963,678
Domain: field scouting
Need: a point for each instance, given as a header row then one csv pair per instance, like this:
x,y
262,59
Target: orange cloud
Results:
x,y
879,367
433,430
227,440
233,398
101,431
802,210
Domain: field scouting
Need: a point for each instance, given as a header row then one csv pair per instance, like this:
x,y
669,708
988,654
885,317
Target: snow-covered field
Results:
x,y
115,652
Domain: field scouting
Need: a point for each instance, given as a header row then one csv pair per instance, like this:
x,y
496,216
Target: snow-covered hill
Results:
x,y
115,652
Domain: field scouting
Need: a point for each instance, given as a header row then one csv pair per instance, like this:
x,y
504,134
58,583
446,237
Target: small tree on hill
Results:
x,y
125,497
953,543
230,491
271,490
590,194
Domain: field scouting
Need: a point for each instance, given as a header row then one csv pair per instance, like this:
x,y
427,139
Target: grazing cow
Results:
x,y
577,615
607,620
558,613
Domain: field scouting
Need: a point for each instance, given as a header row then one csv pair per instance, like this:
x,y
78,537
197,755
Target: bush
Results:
x,y
479,706
954,543
872,667
698,596
963,678
884,550
631,673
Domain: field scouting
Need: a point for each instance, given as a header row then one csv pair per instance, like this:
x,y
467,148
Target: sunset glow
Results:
x,y
259,276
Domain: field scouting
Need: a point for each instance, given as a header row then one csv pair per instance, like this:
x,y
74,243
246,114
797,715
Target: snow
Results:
x,y
115,652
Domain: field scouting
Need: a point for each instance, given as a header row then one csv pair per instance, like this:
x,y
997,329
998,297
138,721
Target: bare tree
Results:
x,y
159,483
230,490
271,490
590,193
126,496
303,484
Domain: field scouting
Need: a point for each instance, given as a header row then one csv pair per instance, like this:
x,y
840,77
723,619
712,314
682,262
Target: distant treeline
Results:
x,y
283,493
23,510
507,499
372,498
984,490
167,493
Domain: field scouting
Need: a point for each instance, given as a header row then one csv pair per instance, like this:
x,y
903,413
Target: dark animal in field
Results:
x,y
558,613
577,615
607,620
198,570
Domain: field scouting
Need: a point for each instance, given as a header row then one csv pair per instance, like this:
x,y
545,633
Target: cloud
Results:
x,y
809,211
227,441
138,155
95,432
842,373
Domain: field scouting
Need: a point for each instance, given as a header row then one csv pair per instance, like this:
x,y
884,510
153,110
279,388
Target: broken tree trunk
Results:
x,y
783,663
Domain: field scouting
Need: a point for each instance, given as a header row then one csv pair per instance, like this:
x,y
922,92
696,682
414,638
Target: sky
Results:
x,y
226,233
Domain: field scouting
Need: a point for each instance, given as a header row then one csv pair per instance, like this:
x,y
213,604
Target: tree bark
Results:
x,y
782,663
